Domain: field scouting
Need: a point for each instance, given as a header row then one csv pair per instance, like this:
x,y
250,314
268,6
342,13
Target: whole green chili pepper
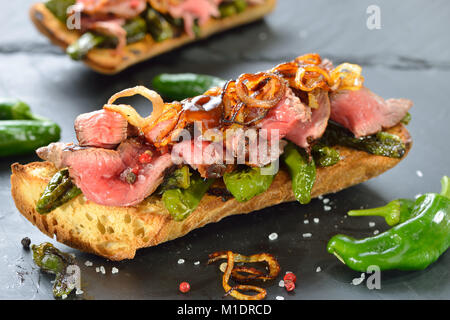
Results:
x,y
182,202
184,85
88,41
59,8
158,26
13,109
382,143
247,183
136,29
302,171
411,245
59,190
324,156
25,136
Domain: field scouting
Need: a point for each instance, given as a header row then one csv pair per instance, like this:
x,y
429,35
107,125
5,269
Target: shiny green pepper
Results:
x,y
180,178
182,202
413,244
247,183
302,171
324,156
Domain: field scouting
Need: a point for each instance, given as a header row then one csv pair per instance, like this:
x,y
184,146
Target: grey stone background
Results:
x,y
408,57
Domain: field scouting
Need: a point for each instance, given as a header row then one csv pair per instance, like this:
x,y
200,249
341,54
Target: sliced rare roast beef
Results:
x,y
102,129
365,113
111,177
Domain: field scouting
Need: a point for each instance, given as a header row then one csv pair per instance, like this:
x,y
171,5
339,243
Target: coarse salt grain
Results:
x,y
320,197
273,236
316,220
279,298
281,284
371,224
419,173
180,261
196,263
376,232
318,269
97,269
306,221
307,235
102,270
114,270
79,291
88,263
326,200
358,281
326,208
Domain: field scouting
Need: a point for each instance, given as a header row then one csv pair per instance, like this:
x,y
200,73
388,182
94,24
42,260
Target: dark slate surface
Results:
x,y
408,57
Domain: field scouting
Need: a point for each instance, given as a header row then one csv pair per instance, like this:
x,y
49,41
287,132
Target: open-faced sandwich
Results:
x,y
300,130
111,35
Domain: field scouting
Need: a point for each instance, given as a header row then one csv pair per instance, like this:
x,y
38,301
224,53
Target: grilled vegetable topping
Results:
x,y
159,28
182,202
302,171
382,143
59,8
324,156
25,136
180,178
421,236
246,183
184,85
228,9
59,190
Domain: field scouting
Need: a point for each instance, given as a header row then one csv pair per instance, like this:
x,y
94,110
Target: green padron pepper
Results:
x,y
302,171
324,156
51,260
13,109
182,202
59,190
180,178
59,8
249,182
420,237
158,26
381,143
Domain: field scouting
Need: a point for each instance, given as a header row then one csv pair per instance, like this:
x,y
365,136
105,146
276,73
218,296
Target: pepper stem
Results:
x,y
445,191
390,212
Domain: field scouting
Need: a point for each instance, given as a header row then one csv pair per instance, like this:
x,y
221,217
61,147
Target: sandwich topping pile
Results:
x,y
116,23
228,141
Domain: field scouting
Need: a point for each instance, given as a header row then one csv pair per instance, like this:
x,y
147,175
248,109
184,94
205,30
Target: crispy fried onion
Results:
x,y
130,113
237,273
260,90
346,76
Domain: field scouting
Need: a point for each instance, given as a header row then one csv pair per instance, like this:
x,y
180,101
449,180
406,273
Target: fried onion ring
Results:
x,y
260,90
311,77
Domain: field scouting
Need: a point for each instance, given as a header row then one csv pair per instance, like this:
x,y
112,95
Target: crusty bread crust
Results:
x,y
117,232
107,62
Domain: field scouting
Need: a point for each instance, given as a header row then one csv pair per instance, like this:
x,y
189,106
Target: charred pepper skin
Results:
x,y
411,245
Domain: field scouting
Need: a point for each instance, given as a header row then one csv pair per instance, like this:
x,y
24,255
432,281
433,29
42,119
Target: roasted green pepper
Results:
x,y
230,8
324,156
413,244
158,26
59,190
182,202
51,260
247,183
25,136
136,29
382,143
13,109
180,178
184,85
302,171
59,8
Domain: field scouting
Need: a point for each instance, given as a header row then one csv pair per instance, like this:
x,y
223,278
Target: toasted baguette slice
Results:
x,y
106,62
117,232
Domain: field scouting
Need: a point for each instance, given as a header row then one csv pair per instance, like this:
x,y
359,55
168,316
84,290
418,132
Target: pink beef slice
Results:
x,y
365,113
101,129
286,116
97,172
305,132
